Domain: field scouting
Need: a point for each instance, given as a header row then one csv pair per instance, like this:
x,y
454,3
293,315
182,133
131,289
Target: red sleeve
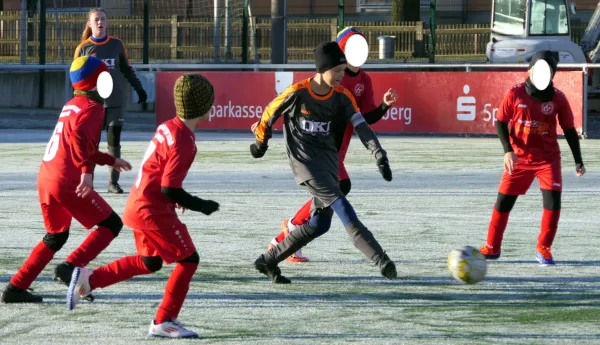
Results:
x,y
565,114
85,136
367,103
177,167
507,109
102,158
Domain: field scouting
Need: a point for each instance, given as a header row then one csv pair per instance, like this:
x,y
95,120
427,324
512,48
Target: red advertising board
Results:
x,y
429,102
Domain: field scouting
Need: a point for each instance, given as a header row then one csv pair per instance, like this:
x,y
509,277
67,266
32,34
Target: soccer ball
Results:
x,y
467,265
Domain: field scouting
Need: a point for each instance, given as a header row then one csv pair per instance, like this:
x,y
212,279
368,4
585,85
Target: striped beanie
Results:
x,y
85,71
194,96
345,34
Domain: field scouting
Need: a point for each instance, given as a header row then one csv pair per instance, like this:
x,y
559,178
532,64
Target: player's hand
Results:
x,y
181,208
142,96
253,127
390,97
579,169
121,165
258,149
209,206
85,186
384,168
510,158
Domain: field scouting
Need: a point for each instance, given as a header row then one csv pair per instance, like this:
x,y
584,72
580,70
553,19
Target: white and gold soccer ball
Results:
x,y
467,265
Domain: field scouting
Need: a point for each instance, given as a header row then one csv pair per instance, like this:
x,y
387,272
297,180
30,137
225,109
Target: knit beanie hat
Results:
x,y
549,56
345,34
328,55
85,71
194,96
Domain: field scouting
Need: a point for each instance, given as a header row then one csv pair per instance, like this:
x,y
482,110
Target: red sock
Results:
x,y
95,243
496,229
175,291
280,237
548,228
118,271
303,214
40,256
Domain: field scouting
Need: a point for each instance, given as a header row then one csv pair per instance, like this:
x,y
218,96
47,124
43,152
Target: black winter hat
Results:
x,y
328,55
549,56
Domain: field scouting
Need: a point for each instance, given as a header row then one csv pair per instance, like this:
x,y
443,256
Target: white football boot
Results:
x,y
170,329
79,286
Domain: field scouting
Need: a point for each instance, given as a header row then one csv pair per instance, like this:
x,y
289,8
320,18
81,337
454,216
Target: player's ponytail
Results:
x,y
87,31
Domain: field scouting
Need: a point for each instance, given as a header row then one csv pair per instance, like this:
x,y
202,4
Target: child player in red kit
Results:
x,y
358,82
65,185
526,127
150,212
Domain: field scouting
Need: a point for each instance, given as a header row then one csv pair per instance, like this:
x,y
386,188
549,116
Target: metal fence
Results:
x,y
224,31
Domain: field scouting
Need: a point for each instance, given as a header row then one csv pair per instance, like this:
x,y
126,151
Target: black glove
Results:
x,y
208,206
258,149
142,95
384,168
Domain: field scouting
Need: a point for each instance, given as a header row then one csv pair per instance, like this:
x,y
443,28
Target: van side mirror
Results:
x,y
572,7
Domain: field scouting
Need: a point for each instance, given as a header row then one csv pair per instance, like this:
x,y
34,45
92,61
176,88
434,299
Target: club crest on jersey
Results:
x,y
315,127
548,108
359,89
303,110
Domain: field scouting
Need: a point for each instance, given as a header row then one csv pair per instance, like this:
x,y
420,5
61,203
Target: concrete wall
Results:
x,y
20,89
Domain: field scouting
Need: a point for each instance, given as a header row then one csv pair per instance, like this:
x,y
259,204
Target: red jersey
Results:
x,y
72,150
166,162
533,123
361,88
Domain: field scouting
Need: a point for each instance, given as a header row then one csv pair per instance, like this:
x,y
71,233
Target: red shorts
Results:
x,y
60,205
171,245
549,176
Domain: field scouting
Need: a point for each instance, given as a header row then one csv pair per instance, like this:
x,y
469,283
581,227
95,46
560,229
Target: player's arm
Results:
x,y
376,114
264,129
103,158
366,134
567,123
129,74
505,114
83,146
370,112
171,184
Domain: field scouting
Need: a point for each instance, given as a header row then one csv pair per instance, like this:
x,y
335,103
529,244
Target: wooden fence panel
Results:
x,y
191,39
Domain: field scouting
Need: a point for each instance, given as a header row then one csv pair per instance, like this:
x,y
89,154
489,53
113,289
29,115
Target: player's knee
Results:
x,y
345,186
505,203
192,259
113,223
323,221
153,263
551,199
56,241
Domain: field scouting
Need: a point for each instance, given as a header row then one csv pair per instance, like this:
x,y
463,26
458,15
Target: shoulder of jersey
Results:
x,y
518,86
84,43
341,89
558,92
364,74
113,38
303,84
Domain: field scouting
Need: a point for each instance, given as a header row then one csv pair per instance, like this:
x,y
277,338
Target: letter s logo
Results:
x,y
466,109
